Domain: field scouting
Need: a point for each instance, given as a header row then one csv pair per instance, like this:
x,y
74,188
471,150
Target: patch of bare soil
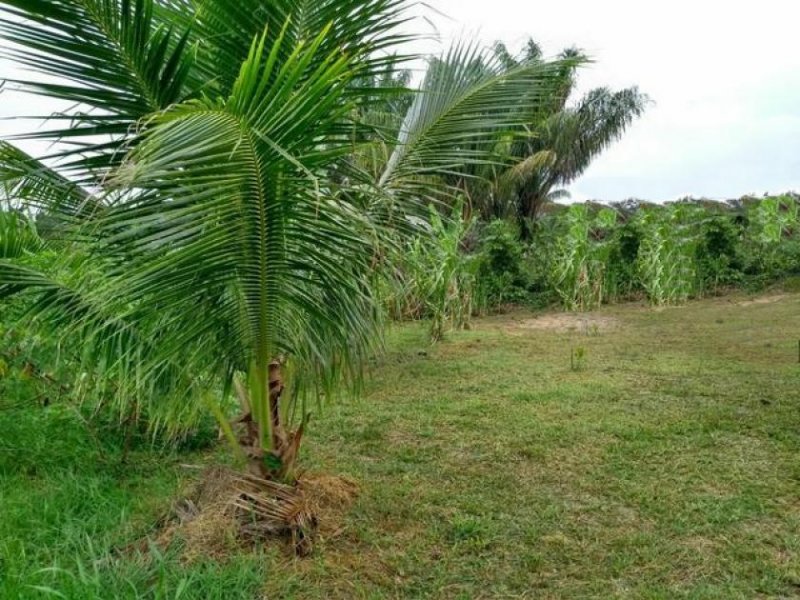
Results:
x,y
228,512
567,322
764,300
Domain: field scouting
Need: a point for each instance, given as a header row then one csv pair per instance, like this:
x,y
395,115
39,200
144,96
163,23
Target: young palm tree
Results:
x,y
217,224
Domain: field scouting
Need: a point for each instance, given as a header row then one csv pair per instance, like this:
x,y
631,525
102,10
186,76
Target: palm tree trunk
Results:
x,y
285,445
277,433
270,449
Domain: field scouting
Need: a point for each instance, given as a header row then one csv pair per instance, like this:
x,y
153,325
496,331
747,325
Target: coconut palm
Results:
x,y
208,191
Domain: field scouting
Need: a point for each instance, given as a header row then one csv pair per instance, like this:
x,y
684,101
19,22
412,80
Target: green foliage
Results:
x,y
774,218
433,277
666,260
586,255
621,272
720,252
579,257
502,275
558,144
773,248
18,235
35,366
78,504
226,181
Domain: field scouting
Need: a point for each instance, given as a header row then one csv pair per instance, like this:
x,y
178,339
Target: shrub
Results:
x,y
501,272
621,272
719,253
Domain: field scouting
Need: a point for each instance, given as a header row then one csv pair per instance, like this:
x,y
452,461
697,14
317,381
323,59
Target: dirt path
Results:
x,y
567,322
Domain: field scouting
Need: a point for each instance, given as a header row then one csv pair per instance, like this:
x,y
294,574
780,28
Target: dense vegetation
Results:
x,y
585,255
264,165
236,200
243,161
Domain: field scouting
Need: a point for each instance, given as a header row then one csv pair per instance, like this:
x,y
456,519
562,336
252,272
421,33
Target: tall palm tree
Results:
x,y
557,148
217,222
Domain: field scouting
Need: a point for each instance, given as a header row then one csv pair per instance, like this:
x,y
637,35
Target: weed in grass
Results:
x,y
578,357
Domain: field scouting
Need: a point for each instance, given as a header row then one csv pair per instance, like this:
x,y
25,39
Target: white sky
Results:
x,y
724,78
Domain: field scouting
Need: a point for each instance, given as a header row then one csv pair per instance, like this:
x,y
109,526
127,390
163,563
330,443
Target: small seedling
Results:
x,y
578,359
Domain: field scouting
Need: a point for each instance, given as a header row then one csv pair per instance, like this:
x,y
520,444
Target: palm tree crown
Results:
x,y
560,145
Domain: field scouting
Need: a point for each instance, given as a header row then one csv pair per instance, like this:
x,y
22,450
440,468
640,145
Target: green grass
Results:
x,y
667,466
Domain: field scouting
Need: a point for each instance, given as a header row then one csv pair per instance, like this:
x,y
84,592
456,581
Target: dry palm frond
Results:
x,y
228,511
265,507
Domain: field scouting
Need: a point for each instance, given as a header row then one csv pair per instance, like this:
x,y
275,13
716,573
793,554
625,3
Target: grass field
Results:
x,y
640,454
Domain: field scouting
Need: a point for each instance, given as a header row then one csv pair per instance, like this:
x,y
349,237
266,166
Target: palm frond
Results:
x,y
114,60
466,102
569,139
121,364
28,184
231,195
365,28
17,235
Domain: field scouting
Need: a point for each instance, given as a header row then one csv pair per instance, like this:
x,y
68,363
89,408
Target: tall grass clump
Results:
x,y
666,262
433,278
578,261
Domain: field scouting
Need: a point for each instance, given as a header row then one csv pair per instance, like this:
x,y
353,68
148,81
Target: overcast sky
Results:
x,y
724,78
